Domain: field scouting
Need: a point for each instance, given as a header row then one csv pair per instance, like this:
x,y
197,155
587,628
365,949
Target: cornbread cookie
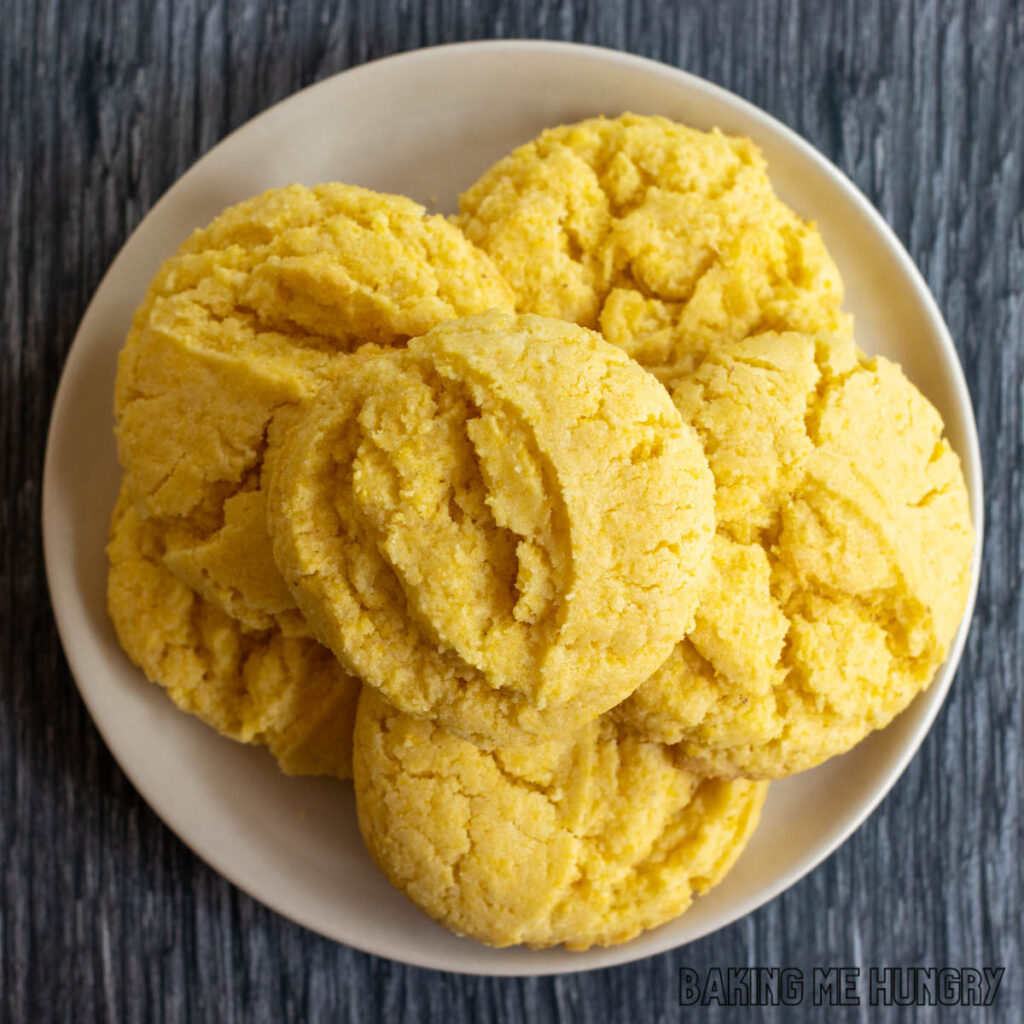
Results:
x,y
582,840
840,567
288,694
503,526
252,315
662,236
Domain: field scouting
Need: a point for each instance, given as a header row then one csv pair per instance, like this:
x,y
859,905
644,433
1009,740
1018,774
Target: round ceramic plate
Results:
x,y
426,124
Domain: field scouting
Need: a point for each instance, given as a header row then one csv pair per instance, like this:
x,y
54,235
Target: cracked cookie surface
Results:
x,y
586,840
661,236
504,525
288,694
841,562
252,315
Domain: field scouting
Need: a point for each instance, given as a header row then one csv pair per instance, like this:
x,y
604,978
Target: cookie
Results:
x,y
503,526
661,236
288,694
840,567
586,840
253,315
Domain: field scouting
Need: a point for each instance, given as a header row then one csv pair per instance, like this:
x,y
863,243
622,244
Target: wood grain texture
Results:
x,y
104,915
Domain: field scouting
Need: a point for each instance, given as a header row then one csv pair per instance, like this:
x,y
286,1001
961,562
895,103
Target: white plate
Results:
x,y
427,124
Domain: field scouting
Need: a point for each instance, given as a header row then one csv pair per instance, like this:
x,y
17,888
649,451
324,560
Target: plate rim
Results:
x,y
970,461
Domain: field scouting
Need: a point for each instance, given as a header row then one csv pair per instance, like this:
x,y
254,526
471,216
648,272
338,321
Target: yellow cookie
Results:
x,y
583,840
503,526
840,567
288,694
663,236
253,315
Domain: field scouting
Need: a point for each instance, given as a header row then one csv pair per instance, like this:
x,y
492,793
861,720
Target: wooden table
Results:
x,y
103,913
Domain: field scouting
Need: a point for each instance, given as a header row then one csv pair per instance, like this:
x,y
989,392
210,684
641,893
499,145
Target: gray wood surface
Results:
x,y
104,915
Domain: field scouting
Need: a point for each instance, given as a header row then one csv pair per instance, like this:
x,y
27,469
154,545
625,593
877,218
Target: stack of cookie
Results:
x,y
560,601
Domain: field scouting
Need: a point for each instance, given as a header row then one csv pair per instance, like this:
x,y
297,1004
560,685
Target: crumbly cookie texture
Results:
x,y
841,562
253,315
504,526
661,235
288,694
586,840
